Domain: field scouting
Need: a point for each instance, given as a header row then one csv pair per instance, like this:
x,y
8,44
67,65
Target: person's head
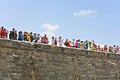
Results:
x,y
45,35
53,37
20,32
13,29
34,33
114,46
28,34
10,31
76,40
2,27
60,37
38,34
73,39
99,46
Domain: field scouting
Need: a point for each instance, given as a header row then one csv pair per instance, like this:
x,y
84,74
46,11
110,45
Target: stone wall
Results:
x,y
28,61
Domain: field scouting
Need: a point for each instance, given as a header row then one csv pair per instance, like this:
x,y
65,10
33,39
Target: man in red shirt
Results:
x,y
2,32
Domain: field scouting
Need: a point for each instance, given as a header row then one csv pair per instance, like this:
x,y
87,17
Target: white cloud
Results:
x,y
90,13
50,27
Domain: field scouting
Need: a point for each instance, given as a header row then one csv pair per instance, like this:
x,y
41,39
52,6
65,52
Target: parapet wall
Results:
x,y
28,61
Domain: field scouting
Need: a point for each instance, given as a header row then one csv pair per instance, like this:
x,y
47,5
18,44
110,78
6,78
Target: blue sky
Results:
x,y
97,20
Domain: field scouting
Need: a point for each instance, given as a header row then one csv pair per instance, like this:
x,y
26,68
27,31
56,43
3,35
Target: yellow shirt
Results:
x,y
28,38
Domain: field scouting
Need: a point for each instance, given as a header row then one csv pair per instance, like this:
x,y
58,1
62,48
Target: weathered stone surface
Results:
x,y
28,61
